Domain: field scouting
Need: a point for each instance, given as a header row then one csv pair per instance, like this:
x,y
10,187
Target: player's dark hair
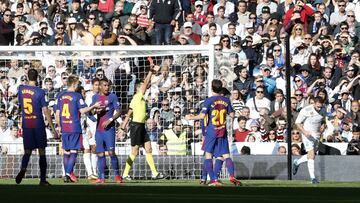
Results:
x,y
319,99
72,79
33,75
242,118
356,128
95,80
104,79
216,86
225,92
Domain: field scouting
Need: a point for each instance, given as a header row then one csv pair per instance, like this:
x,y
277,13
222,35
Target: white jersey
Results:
x,y
311,119
91,124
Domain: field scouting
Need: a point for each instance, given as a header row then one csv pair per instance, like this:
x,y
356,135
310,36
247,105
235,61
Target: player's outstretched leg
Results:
x,y
230,166
24,163
115,166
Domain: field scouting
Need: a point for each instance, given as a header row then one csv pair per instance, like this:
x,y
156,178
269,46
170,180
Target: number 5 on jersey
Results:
x,y
27,103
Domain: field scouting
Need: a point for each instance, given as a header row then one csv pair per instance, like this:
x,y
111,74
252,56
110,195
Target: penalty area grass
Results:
x,y
185,191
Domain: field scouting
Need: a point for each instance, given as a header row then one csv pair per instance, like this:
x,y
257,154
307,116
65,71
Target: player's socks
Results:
x,y
209,168
302,159
87,163
43,166
25,161
94,161
72,161
115,164
151,163
101,165
66,158
230,166
204,173
217,167
311,168
129,162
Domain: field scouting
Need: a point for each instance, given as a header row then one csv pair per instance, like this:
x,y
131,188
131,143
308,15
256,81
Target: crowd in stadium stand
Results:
x,y
249,41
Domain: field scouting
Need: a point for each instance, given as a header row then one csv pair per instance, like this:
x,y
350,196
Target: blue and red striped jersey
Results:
x,y
111,103
32,100
69,105
216,108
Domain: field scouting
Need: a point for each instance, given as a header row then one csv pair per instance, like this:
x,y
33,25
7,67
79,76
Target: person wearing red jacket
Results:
x,y
305,12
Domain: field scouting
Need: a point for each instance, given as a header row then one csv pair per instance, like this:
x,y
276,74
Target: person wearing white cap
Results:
x,y
195,38
199,14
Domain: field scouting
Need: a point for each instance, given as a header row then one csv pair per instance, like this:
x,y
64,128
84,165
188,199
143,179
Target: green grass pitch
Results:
x,y
185,191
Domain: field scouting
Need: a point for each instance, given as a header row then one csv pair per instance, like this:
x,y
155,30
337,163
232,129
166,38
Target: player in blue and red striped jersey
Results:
x,y
69,105
216,142
105,129
33,105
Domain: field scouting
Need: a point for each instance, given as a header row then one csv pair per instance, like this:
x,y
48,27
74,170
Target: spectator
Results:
x,y
7,27
86,38
164,16
281,150
241,133
354,144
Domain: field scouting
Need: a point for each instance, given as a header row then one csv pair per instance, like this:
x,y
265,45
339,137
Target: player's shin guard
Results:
x,y
87,163
115,164
25,161
217,167
101,165
209,168
230,166
43,166
94,161
151,163
129,162
71,164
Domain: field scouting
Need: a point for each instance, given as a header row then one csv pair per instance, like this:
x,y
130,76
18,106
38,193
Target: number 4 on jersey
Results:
x,y
65,111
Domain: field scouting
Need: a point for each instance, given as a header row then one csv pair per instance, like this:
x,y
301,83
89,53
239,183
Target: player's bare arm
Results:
x,y
197,117
49,120
153,69
125,122
57,120
90,108
113,118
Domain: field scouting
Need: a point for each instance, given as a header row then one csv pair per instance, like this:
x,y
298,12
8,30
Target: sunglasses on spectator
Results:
x,y
297,80
7,14
260,92
225,40
298,94
341,5
307,38
295,133
272,30
177,112
277,50
298,29
343,28
252,18
218,49
165,104
60,28
92,18
351,16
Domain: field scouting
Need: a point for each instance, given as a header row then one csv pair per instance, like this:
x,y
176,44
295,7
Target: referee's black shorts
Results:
x,y
138,135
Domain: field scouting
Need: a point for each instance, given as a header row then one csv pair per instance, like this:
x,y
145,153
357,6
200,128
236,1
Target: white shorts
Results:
x,y
310,143
87,142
